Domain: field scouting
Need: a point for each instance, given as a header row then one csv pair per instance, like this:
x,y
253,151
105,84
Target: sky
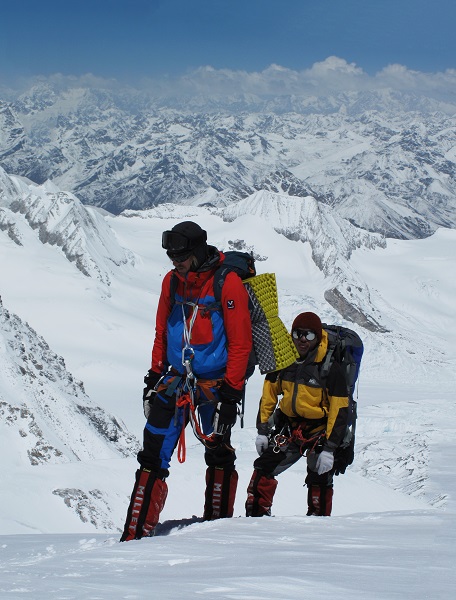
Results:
x,y
133,39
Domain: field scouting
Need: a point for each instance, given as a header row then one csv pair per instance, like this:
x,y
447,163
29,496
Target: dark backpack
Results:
x,y
241,263
346,348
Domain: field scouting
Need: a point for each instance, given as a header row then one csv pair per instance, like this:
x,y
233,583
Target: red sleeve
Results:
x,y
163,310
236,318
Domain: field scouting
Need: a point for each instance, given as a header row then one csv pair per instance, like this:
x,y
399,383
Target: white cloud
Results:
x,y
330,76
399,77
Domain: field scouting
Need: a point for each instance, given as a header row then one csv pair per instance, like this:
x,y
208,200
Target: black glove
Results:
x,y
343,457
263,429
224,416
226,410
230,394
151,380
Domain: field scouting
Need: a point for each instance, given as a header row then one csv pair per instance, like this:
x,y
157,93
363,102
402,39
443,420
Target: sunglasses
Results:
x,y
298,334
180,258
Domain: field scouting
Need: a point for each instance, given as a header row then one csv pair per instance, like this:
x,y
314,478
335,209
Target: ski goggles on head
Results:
x,y
308,334
176,242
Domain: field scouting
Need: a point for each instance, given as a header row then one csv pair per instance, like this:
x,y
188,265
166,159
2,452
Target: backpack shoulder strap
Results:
x,y
219,279
172,289
328,359
332,354
326,365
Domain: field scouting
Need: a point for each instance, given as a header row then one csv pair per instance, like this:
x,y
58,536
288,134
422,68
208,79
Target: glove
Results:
x,y
230,394
226,410
261,443
325,462
224,417
343,457
151,380
263,429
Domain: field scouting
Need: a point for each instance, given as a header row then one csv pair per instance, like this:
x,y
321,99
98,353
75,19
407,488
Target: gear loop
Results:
x,y
306,444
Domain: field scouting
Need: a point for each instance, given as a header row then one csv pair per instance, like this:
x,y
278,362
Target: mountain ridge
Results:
x,y
61,220
386,167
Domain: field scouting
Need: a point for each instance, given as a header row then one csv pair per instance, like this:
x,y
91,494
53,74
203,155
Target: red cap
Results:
x,y
308,320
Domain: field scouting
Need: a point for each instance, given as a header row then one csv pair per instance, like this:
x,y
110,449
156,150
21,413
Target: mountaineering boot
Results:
x,y
146,503
260,493
319,500
221,485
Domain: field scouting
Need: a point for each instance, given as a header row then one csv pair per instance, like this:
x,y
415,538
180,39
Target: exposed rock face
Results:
x,y
351,312
51,419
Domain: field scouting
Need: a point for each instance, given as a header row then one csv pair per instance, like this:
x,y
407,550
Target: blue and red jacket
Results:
x,y
221,338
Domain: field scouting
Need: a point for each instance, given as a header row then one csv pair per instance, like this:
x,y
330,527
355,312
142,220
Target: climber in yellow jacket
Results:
x,y
300,415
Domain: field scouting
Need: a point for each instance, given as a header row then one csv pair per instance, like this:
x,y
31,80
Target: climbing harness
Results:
x,y
297,436
185,396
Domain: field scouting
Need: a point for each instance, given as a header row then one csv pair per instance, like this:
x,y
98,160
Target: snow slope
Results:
x,y
392,556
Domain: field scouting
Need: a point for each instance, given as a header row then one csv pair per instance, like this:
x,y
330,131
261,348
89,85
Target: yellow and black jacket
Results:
x,y
305,398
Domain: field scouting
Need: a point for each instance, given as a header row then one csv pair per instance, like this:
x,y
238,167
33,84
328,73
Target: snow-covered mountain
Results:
x,y
384,161
332,240
68,459
46,408
61,220
46,419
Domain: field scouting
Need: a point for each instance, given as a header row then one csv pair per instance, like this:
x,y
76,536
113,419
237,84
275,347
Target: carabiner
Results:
x,y
280,442
187,356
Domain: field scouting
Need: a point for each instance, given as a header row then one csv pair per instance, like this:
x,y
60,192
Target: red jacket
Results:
x,y
221,339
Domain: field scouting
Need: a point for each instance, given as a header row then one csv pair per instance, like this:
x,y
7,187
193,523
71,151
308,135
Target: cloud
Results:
x,y
274,80
333,75
9,90
399,77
